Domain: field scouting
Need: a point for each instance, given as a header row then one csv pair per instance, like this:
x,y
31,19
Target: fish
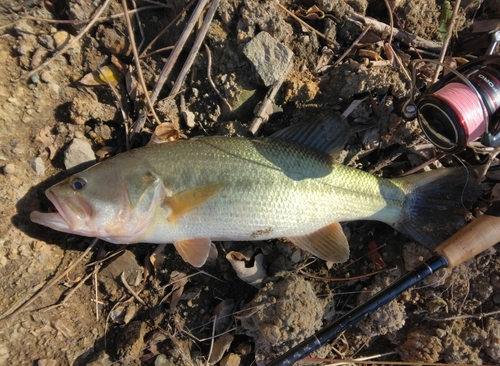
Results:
x,y
288,185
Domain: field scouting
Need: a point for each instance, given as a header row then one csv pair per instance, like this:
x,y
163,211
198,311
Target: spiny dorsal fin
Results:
x,y
325,133
328,243
194,251
190,199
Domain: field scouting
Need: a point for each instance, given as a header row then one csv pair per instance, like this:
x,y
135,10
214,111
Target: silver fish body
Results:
x,y
193,191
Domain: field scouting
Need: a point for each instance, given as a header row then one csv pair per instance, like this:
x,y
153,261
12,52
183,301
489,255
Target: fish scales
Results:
x,y
272,188
287,185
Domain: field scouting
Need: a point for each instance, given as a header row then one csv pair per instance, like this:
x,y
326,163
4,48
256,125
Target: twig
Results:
x,y
129,288
48,285
71,41
356,41
165,29
70,293
209,77
138,62
139,25
391,20
96,293
319,34
401,36
167,68
78,21
159,50
212,340
472,316
261,115
422,166
196,47
446,42
342,278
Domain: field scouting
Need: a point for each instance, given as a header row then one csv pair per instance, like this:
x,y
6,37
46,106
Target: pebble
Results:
x,y
78,155
38,165
231,359
46,77
35,78
269,57
189,118
62,38
46,41
9,168
23,28
161,360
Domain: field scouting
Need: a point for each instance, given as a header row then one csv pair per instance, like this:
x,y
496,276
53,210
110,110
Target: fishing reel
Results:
x,y
461,107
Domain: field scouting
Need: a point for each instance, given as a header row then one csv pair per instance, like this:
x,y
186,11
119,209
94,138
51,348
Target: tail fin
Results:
x,y
437,203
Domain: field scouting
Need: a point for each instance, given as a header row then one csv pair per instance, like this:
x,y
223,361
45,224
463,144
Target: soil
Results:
x,y
91,318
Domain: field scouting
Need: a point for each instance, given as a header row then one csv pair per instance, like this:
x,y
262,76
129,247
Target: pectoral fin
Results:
x,y
328,243
194,251
190,199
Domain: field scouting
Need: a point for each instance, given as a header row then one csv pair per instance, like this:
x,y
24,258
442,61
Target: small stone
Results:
x,y
189,118
62,38
269,57
54,87
46,41
161,360
23,28
35,78
78,155
9,168
230,359
103,131
38,165
46,77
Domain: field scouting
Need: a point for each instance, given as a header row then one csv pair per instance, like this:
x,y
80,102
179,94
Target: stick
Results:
x,y
138,62
261,114
48,285
167,68
196,47
401,36
447,40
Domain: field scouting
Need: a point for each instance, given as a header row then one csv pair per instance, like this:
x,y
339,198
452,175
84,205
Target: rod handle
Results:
x,y
476,237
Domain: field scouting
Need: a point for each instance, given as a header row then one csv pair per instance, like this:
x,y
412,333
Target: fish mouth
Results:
x,y
71,217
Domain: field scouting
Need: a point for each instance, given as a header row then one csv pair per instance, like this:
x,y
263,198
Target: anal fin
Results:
x,y
194,251
328,243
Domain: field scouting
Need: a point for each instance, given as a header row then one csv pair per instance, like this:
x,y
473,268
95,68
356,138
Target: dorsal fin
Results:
x,y
327,133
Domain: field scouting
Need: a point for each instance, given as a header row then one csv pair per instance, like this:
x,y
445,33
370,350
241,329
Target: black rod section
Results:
x,y
358,313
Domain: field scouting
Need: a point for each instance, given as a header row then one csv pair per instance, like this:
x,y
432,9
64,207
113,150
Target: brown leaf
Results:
x,y
47,139
166,132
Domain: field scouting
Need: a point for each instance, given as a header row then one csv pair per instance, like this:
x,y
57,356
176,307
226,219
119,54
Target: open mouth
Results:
x,y
70,216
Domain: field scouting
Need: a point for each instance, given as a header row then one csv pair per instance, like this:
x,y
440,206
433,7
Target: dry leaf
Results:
x,y
47,139
223,311
166,132
221,345
255,274
109,73
371,55
313,13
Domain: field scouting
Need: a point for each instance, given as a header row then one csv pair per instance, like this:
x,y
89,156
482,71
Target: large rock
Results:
x,y
269,57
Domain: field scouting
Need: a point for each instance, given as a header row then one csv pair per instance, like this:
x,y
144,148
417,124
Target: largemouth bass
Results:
x,y
219,188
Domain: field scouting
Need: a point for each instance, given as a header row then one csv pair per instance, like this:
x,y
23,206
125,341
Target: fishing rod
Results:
x,y
479,235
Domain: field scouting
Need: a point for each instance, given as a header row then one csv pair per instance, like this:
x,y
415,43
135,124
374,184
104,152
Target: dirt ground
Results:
x,y
91,318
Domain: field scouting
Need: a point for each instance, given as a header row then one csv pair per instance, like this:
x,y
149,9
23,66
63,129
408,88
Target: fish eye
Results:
x,y
78,184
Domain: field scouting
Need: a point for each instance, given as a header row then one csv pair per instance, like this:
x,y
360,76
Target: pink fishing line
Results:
x,y
465,104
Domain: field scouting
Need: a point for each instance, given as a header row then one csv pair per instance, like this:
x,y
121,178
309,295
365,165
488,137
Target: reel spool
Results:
x,y
461,107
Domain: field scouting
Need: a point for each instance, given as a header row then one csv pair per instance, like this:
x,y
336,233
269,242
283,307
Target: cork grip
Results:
x,y
479,235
